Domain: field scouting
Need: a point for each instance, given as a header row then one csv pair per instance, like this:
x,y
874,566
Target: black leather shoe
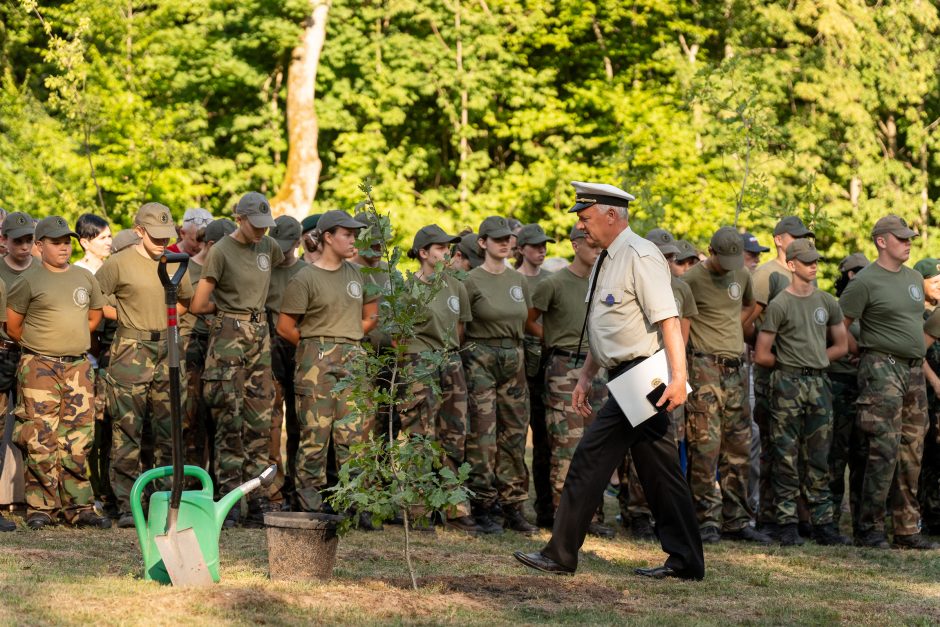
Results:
x,y
6,525
89,519
39,521
542,563
661,572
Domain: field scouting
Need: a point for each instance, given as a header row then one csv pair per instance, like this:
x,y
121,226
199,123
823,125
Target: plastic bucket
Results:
x,y
301,545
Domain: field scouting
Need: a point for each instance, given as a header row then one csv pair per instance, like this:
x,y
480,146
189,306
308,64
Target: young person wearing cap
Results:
x,y
887,298
928,489
51,311
556,318
287,233
495,368
846,447
796,323
325,313
465,254
685,258
194,220
198,426
440,414
310,239
752,251
138,373
718,426
238,386
530,242
629,319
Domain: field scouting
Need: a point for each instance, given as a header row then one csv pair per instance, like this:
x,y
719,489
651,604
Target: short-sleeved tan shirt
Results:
x,y
439,330
499,304
242,273
632,296
800,324
330,301
55,309
8,276
561,299
716,328
280,277
768,279
138,293
685,302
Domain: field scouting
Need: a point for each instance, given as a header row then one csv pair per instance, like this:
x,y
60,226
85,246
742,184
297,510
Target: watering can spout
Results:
x,y
229,501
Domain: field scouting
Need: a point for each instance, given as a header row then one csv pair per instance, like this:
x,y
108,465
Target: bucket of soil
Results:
x,y
301,545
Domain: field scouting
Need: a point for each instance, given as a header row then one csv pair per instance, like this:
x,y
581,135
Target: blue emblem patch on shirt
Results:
x,y
609,300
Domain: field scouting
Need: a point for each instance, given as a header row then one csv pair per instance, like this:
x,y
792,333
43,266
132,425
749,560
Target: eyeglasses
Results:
x,y
198,221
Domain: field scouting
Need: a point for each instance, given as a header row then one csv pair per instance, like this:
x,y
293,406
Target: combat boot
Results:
x,y
126,521
710,535
485,522
257,508
90,519
789,535
466,524
6,525
827,535
914,541
38,520
642,529
747,534
231,519
873,540
600,530
514,519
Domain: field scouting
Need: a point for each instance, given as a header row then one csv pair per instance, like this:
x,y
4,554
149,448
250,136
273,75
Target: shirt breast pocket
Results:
x,y
610,296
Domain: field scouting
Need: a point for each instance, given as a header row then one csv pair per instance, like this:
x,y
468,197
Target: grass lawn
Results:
x,y
69,577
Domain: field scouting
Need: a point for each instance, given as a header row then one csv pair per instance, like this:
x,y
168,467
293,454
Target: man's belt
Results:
x,y
253,316
145,336
907,361
10,346
727,362
497,342
802,372
62,359
325,339
568,354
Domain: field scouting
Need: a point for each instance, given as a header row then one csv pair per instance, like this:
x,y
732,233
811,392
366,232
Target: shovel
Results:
x,y
178,548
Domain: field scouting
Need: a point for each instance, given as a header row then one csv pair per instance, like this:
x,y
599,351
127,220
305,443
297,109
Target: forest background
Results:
x,y
709,112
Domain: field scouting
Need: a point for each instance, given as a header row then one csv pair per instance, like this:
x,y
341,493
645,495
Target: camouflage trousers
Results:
x,y
441,415
847,448
54,424
239,391
801,434
137,392
761,416
499,422
323,413
719,433
892,419
565,425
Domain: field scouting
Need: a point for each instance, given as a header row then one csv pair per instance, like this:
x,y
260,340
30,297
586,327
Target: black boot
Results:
x,y
6,525
789,535
514,519
642,529
485,522
91,519
827,535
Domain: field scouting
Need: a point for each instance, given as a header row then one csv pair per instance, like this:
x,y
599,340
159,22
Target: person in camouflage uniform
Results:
x,y
797,322
326,313
928,490
138,375
51,311
888,300
499,398
238,386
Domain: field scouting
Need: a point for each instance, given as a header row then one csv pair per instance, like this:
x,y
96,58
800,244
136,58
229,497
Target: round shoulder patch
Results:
x,y
734,291
354,289
453,303
81,297
917,294
821,316
515,293
264,262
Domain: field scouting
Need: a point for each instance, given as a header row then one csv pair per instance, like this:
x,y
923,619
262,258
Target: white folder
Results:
x,y
631,387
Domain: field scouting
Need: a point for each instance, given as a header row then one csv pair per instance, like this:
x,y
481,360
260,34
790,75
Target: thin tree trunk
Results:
x,y
299,187
464,110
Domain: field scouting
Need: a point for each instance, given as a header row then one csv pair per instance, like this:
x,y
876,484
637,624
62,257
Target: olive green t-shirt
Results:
x,y
55,308
8,275
932,324
280,277
330,301
844,364
439,331
770,279
499,304
716,328
561,299
685,302
242,273
190,322
801,323
533,282
139,295
890,308
376,275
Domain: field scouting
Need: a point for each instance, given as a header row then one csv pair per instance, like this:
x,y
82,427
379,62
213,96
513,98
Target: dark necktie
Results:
x,y
591,289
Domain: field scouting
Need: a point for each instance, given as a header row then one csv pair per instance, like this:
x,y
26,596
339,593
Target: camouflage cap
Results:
x,y
895,225
286,232
123,239
726,245
53,226
802,250
432,234
794,226
855,261
664,240
576,233
310,222
928,268
218,229
532,235
256,208
156,220
495,227
335,218
470,249
17,224
686,250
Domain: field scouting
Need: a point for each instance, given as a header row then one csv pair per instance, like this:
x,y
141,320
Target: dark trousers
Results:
x,y
601,450
541,447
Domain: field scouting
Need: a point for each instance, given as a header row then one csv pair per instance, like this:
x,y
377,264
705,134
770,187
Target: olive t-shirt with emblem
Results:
x,y
499,304
242,273
9,276
890,309
769,280
280,277
330,301
685,302
561,299
716,328
801,323
439,331
55,309
139,295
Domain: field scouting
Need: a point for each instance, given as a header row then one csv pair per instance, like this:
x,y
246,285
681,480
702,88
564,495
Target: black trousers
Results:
x,y
601,450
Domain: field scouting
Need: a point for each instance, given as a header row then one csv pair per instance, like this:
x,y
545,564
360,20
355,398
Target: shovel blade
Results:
x,y
183,558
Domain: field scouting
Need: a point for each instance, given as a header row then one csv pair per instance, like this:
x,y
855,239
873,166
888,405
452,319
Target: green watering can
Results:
x,y
197,511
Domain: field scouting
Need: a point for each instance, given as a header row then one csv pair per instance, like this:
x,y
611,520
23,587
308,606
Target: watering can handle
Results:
x,y
159,473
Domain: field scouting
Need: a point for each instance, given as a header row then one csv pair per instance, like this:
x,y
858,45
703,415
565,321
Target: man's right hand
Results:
x,y
579,398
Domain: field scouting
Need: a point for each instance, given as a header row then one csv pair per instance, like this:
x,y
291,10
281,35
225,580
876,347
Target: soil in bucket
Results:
x,y
301,545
